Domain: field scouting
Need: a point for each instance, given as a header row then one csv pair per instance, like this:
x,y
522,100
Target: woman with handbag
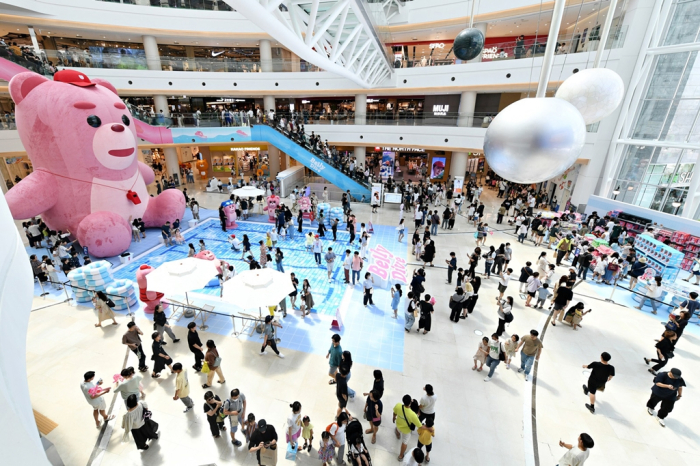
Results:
x,y
612,268
214,411
505,315
664,350
213,361
457,303
496,354
137,420
373,413
104,306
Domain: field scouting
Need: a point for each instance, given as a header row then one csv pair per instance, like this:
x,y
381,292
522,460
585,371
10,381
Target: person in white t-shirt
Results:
x,y
427,404
337,432
415,458
578,455
504,279
294,424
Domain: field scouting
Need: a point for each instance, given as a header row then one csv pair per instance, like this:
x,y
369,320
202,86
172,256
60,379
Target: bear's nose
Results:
x,y
117,128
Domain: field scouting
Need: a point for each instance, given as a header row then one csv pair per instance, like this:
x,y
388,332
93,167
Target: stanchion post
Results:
x,y
41,285
128,308
610,300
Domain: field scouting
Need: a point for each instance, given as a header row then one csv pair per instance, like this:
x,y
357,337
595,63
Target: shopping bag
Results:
x,y
268,457
205,368
292,452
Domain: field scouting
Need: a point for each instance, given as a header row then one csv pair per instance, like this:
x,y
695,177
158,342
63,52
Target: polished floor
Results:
x,y
493,423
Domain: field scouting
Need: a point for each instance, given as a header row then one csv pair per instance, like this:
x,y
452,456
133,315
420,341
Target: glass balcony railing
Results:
x,y
212,5
530,48
25,58
128,60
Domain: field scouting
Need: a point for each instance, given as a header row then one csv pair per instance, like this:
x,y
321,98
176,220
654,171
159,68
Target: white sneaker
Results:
x,y
519,371
527,377
662,423
281,356
487,379
650,411
263,353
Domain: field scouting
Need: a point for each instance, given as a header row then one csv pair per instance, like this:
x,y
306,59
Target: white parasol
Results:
x,y
248,191
257,288
183,275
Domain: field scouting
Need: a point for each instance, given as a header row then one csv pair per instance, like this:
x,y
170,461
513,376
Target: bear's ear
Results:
x,y
24,83
106,84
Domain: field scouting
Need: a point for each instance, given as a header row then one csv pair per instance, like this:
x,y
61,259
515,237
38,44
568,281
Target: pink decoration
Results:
x,y
82,143
272,203
230,211
209,256
117,378
94,391
387,268
150,298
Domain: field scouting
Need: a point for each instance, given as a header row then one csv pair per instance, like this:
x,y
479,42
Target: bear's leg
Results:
x,y
166,207
105,234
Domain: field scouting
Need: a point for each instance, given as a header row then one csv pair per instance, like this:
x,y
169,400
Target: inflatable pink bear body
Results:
x,y
87,178
272,203
150,298
230,212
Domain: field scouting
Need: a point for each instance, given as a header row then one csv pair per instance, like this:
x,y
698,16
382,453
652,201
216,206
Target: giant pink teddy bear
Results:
x,y
272,203
81,141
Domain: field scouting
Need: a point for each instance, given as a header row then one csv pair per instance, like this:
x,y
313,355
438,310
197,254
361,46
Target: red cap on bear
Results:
x,y
73,77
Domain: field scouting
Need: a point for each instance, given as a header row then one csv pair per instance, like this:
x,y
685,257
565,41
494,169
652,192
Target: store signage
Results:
x,y
233,149
316,165
403,149
216,54
437,45
492,53
440,110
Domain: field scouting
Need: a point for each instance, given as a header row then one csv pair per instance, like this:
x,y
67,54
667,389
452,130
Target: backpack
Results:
x,y
330,426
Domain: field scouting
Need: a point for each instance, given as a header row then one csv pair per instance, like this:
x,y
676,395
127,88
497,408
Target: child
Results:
x,y
268,240
177,236
326,450
522,233
202,246
476,218
274,237
418,248
307,433
481,352
249,427
510,346
309,242
460,277
357,450
426,433
542,294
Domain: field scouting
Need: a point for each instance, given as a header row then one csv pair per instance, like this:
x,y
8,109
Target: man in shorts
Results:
x,y
95,400
403,418
330,262
234,408
601,373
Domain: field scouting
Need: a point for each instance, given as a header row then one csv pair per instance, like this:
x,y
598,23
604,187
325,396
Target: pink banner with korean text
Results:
x,y
386,268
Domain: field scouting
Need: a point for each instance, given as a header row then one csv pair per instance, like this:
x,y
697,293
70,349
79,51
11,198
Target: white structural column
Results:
x,y
172,162
150,48
548,59
269,103
161,103
467,103
481,27
693,198
360,119
265,56
273,156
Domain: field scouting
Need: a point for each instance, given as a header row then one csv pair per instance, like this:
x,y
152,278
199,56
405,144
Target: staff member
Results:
x,y
667,389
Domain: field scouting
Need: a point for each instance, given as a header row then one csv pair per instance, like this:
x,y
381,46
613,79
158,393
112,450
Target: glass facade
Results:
x,y
659,177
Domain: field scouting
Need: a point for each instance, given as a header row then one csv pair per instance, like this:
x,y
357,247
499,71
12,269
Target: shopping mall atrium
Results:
x,y
363,232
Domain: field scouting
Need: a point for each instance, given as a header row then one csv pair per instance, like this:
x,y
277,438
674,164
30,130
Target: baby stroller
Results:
x,y
353,431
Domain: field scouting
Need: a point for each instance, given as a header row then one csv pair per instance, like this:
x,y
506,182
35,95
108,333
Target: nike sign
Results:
x,y
216,54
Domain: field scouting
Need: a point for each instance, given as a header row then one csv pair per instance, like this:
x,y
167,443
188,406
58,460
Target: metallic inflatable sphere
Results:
x,y
534,140
468,44
596,93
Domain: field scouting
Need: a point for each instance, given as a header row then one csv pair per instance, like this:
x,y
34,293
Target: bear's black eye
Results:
x,y
94,121
126,120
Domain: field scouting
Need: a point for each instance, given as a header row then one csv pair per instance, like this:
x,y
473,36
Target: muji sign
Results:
x,y
386,268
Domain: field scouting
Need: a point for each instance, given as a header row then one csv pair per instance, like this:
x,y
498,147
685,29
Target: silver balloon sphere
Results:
x,y
596,93
534,140
468,44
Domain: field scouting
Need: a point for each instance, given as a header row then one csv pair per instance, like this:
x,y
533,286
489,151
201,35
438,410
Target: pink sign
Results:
x,y
387,267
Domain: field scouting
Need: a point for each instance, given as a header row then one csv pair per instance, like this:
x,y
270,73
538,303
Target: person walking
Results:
x,y
182,387
213,361
457,303
410,313
214,411
334,356
373,413
294,425
195,346
137,420
406,421
426,432
104,306
426,314
330,263
561,301
576,456
525,273
132,339
317,248
531,351
667,389
495,356
160,321
160,357
505,314
234,408
533,284
664,351
93,394
427,404
269,337
357,264
503,280
341,390
601,373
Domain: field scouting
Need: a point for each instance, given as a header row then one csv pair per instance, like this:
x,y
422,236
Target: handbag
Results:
x,y
410,426
613,267
147,414
205,368
501,353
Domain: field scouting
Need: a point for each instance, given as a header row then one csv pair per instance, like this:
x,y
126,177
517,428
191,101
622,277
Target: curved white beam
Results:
x,y
335,35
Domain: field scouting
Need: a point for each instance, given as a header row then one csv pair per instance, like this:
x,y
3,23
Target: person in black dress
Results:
x,y
664,351
160,357
195,345
426,314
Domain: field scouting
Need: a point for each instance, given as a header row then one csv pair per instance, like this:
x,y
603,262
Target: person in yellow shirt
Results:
x,y
425,437
404,418
182,387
